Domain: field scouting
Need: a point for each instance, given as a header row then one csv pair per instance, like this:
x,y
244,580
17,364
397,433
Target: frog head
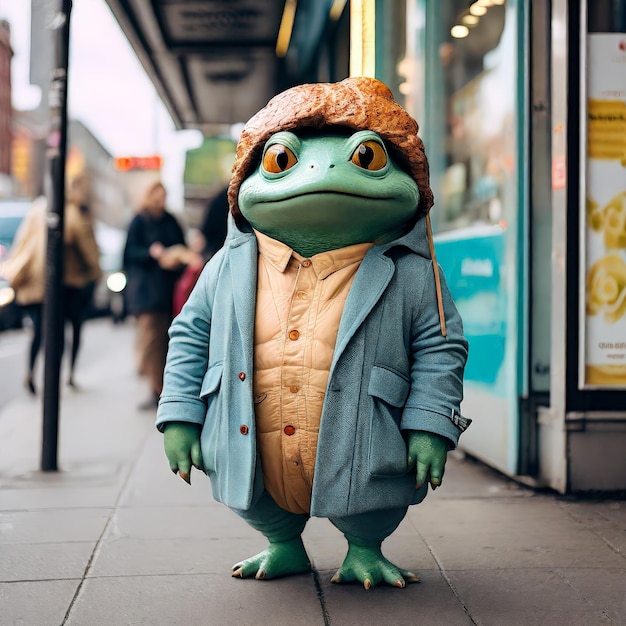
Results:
x,y
323,192
328,165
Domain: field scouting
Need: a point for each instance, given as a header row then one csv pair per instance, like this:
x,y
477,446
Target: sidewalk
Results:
x,y
114,538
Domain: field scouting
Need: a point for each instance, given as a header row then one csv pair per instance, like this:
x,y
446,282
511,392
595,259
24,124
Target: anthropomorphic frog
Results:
x,y
316,369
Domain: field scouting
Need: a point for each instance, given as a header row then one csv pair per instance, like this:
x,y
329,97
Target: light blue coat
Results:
x,y
392,371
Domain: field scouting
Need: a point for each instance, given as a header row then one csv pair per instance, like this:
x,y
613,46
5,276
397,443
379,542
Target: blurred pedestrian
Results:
x,y
214,224
25,270
152,265
205,242
82,262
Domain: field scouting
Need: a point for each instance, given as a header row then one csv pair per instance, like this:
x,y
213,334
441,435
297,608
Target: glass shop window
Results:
x,y
474,113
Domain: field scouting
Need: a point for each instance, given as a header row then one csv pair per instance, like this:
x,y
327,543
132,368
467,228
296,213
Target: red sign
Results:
x,y
125,164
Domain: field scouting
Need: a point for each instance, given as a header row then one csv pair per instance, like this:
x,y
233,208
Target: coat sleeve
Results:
x,y
188,354
83,238
136,250
437,365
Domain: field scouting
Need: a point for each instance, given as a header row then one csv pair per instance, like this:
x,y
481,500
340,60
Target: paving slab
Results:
x,y
44,561
173,522
42,498
509,533
606,519
39,603
521,597
175,556
196,600
603,590
152,483
430,602
52,526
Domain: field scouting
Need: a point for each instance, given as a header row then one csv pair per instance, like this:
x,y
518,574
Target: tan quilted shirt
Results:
x,y
299,306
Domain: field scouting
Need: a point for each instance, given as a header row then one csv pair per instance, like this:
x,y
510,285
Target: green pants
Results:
x,y
364,529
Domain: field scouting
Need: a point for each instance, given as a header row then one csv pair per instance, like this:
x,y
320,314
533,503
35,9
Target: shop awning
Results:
x,y
212,62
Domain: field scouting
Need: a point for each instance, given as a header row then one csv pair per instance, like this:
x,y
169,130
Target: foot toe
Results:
x,y
410,577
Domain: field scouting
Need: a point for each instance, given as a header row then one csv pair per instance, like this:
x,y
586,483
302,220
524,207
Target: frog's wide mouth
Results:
x,y
325,194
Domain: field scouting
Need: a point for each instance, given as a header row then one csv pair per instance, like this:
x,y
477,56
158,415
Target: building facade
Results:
x,y
522,108
521,105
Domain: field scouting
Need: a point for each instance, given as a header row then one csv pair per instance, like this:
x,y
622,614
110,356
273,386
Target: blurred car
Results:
x,y
12,213
108,298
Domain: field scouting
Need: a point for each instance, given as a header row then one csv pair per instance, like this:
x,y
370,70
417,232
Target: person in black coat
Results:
x,y
152,271
214,225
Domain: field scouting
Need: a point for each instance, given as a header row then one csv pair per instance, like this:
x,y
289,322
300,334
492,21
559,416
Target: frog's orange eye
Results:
x,y
278,158
370,155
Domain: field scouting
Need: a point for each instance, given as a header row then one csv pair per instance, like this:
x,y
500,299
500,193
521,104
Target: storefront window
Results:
x,y
472,137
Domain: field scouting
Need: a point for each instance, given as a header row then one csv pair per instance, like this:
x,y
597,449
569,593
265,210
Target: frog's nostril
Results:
x,y
331,165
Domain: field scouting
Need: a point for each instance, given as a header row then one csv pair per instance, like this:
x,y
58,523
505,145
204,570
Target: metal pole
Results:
x,y
53,309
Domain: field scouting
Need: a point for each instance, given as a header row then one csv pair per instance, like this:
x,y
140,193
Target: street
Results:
x,y
14,347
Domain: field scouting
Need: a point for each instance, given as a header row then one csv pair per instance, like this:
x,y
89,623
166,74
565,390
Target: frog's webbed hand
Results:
x,y
428,452
182,448
367,565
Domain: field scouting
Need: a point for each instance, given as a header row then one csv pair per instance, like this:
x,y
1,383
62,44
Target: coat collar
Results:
x,y
415,240
375,273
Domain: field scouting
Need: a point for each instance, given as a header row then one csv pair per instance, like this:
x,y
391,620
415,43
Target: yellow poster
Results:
x,y
605,214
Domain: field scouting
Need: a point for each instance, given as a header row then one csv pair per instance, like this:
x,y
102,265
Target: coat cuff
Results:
x,y
173,409
449,425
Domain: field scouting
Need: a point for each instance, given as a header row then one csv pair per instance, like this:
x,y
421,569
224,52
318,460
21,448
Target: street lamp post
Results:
x,y
54,323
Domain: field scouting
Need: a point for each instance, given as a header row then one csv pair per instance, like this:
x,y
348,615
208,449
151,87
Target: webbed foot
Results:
x,y
278,559
370,567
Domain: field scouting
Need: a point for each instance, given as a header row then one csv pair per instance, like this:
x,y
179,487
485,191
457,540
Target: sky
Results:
x,y
108,90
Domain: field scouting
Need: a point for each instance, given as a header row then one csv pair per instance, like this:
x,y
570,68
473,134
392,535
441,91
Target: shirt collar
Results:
x,y
280,255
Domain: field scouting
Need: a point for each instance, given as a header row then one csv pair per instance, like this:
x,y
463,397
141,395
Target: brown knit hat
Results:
x,y
357,103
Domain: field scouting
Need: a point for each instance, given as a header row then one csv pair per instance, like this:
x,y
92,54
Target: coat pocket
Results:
x,y
211,430
387,448
211,381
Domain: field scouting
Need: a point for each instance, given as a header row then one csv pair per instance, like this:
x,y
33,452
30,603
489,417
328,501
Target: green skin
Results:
x,y
324,202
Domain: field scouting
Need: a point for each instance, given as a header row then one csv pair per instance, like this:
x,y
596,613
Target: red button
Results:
x,y
241,376
243,429
293,335
289,430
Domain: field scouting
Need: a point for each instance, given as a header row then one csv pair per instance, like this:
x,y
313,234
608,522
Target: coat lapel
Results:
x,y
369,285
243,275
